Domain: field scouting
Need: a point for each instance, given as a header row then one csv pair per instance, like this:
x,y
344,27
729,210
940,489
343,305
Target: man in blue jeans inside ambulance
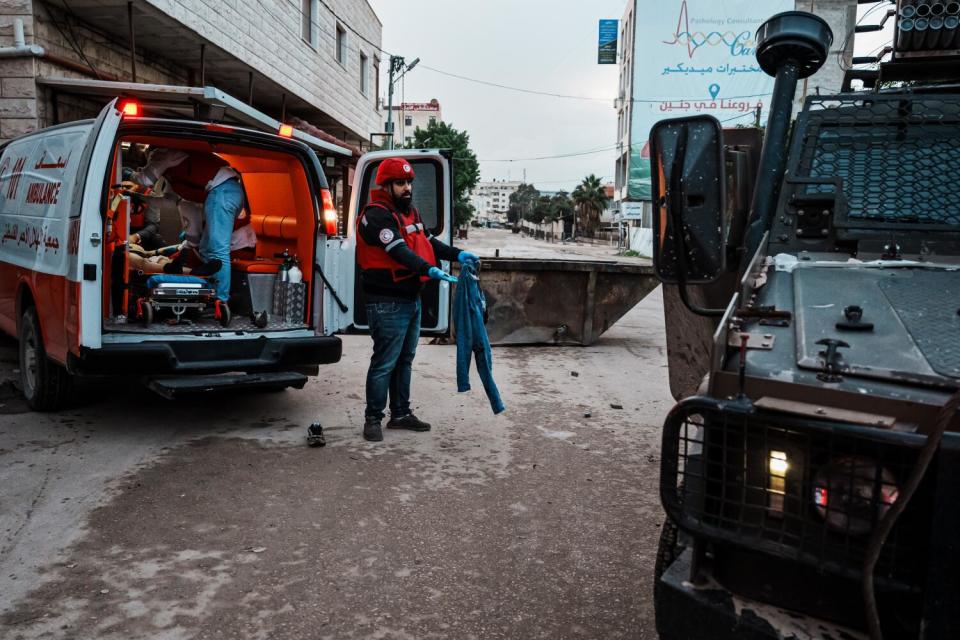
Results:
x,y
201,177
396,255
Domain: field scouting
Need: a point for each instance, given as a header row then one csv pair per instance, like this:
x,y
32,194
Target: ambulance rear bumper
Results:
x,y
208,356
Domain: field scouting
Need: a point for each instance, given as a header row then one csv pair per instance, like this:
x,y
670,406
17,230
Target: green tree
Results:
x,y
541,211
561,206
591,199
522,202
466,174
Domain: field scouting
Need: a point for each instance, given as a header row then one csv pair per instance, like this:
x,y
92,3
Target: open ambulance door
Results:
x,y
433,197
87,222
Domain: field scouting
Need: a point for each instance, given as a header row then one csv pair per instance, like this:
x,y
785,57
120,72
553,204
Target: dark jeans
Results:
x,y
395,328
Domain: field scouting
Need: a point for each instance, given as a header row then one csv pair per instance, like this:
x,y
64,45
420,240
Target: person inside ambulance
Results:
x,y
396,255
202,177
145,213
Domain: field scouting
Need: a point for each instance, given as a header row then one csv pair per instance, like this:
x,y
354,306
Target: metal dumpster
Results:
x,y
562,302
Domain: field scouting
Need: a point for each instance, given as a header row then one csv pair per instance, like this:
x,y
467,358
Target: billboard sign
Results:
x,y
607,52
631,210
695,57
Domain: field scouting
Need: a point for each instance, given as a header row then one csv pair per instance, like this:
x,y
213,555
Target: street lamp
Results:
x,y
397,65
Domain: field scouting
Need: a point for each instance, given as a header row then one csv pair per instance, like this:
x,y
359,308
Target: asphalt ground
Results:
x,y
129,516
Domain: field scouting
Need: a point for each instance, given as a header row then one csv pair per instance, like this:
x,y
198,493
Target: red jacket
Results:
x,y
189,178
412,232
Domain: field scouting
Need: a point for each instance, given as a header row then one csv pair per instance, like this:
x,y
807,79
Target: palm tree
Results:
x,y
591,199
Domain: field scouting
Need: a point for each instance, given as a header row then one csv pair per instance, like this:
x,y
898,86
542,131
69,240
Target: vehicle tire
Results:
x,y
46,385
667,550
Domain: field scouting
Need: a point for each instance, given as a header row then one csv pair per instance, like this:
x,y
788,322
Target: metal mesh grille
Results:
x,y
796,490
898,158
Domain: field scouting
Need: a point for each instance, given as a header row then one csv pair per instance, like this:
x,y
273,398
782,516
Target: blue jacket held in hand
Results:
x,y
468,310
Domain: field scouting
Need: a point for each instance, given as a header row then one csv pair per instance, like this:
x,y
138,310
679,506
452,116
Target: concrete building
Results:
x,y
292,59
492,200
410,116
623,104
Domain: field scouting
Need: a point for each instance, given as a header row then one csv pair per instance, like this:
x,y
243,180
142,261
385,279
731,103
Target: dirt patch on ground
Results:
x,y
228,538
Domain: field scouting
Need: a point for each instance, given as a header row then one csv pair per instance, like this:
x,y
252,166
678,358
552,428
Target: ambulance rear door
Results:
x,y
433,197
88,206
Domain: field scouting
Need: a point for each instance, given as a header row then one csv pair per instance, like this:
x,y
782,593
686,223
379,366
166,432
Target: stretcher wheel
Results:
x,y
224,314
146,313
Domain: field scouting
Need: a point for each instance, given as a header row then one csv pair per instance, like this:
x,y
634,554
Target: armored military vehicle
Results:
x,y
811,468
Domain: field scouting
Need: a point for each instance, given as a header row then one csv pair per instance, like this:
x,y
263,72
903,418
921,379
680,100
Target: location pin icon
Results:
x,y
714,91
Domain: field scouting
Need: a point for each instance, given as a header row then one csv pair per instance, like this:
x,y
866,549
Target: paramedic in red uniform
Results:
x,y
396,255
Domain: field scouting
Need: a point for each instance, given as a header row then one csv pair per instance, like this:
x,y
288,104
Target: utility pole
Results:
x,y
396,66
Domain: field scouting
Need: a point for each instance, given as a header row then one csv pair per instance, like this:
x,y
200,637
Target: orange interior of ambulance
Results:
x,y
279,208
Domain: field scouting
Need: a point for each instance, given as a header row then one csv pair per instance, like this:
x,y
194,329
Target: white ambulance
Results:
x,y
79,305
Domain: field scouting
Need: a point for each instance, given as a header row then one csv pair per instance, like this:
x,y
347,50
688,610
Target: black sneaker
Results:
x,y
315,435
409,422
372,430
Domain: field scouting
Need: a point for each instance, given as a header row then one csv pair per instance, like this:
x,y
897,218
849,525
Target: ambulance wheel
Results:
x,y
46,385
225,315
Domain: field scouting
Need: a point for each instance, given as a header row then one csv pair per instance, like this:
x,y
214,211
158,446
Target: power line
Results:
x,y
742,115
509,88
551,94
322,28
563,155
601,150
349,26
567,96
879,4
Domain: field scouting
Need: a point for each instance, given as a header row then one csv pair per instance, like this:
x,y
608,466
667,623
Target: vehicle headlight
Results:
x,y
852,493
777,467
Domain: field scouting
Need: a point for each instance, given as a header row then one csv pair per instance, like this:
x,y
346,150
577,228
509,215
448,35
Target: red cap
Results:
x,y
394,169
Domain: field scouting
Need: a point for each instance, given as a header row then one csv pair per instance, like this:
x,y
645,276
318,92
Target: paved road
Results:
x,y
131,517
486,241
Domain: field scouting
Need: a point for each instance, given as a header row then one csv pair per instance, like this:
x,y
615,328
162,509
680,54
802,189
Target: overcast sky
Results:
x,y
542,45
537,44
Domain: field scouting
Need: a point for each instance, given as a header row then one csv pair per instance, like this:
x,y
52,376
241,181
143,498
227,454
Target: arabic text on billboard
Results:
x,y
695,56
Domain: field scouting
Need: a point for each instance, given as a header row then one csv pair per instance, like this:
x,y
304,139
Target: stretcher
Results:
x,y
179,294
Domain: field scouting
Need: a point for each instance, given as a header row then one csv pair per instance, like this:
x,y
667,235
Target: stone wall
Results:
x,y
266,34
18,94
65,37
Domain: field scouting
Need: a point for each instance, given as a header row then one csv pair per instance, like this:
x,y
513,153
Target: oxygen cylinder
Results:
x,y
295,276
279,285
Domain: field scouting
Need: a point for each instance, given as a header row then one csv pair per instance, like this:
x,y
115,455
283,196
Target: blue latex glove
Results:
x,y
437,274
466,257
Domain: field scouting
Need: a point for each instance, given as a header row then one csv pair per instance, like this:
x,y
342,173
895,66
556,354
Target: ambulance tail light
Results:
x,y
329,213
129,109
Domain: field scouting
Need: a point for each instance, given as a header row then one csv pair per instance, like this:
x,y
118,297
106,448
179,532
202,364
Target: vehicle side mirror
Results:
x,y
687,170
